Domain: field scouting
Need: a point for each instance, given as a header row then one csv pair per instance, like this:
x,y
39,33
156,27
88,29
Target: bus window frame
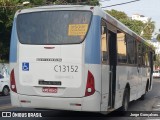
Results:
x,y
106,30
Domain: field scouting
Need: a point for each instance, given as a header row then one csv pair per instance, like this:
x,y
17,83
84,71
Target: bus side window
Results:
x,y
104,53
131,56
140,54
121,47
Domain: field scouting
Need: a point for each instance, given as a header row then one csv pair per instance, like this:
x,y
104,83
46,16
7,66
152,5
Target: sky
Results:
x,y
148,8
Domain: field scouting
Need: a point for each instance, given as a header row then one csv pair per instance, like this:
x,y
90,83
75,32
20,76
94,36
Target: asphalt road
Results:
x,y
151,103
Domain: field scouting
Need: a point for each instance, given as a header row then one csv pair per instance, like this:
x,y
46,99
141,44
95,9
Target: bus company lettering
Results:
x,y
50,59
29,114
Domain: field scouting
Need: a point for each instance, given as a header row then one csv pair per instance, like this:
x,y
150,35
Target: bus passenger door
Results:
x,y
108,67
104,68
112,38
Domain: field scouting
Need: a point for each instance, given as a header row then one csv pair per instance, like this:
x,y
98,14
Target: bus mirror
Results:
x,y
154,57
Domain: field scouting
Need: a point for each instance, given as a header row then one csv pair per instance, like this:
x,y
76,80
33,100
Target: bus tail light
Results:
x,y
90,87
13,82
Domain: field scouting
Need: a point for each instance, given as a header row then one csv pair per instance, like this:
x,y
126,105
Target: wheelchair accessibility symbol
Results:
x,y
25,66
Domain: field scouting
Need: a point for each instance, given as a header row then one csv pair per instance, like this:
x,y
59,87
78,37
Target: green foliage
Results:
x,y
7,11
137,26
148,29
158,37
93,2
83,2
118,14
38,2
157,62
134,25
6,18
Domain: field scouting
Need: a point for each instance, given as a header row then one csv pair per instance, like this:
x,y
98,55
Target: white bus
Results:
x,y
76,58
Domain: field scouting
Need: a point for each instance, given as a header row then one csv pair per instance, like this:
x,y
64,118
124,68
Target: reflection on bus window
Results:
x,y
53,27
131,57
104,43
121,46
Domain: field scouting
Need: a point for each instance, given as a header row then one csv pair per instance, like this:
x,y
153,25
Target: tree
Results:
x,y
117,14
38,2
7,11
148,29
134,25
158,37
93,2
84,2
157,62
137,26
6,17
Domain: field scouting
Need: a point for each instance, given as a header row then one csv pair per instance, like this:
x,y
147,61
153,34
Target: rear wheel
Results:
x,y
125,103
5,91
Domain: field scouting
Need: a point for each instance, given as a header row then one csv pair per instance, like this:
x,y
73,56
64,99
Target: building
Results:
x,y
140,18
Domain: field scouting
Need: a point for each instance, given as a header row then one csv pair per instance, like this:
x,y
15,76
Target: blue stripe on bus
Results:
x,y
92,43
13,44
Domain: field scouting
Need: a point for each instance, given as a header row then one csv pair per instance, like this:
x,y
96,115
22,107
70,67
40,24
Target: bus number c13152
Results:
x,y
66,68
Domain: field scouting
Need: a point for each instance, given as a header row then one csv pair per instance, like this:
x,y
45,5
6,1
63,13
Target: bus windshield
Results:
x,y
53,27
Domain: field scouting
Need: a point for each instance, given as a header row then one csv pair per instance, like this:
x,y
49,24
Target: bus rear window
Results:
x,y
53,27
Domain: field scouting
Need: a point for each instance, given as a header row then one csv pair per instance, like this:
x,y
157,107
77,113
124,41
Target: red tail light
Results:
x,y
13,82
90,87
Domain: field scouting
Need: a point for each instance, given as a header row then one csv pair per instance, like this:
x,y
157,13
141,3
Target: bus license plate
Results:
x,y
49,89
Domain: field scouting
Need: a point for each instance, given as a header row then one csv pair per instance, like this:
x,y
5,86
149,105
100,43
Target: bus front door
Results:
x,y
113,62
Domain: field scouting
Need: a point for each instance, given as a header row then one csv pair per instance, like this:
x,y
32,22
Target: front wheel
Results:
x,y
125,102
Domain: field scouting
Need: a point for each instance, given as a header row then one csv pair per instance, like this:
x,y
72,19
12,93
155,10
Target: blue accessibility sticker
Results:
x,y
25,66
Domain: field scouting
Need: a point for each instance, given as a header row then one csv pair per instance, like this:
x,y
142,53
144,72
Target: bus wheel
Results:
x,y
5,91
143,96
125,102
